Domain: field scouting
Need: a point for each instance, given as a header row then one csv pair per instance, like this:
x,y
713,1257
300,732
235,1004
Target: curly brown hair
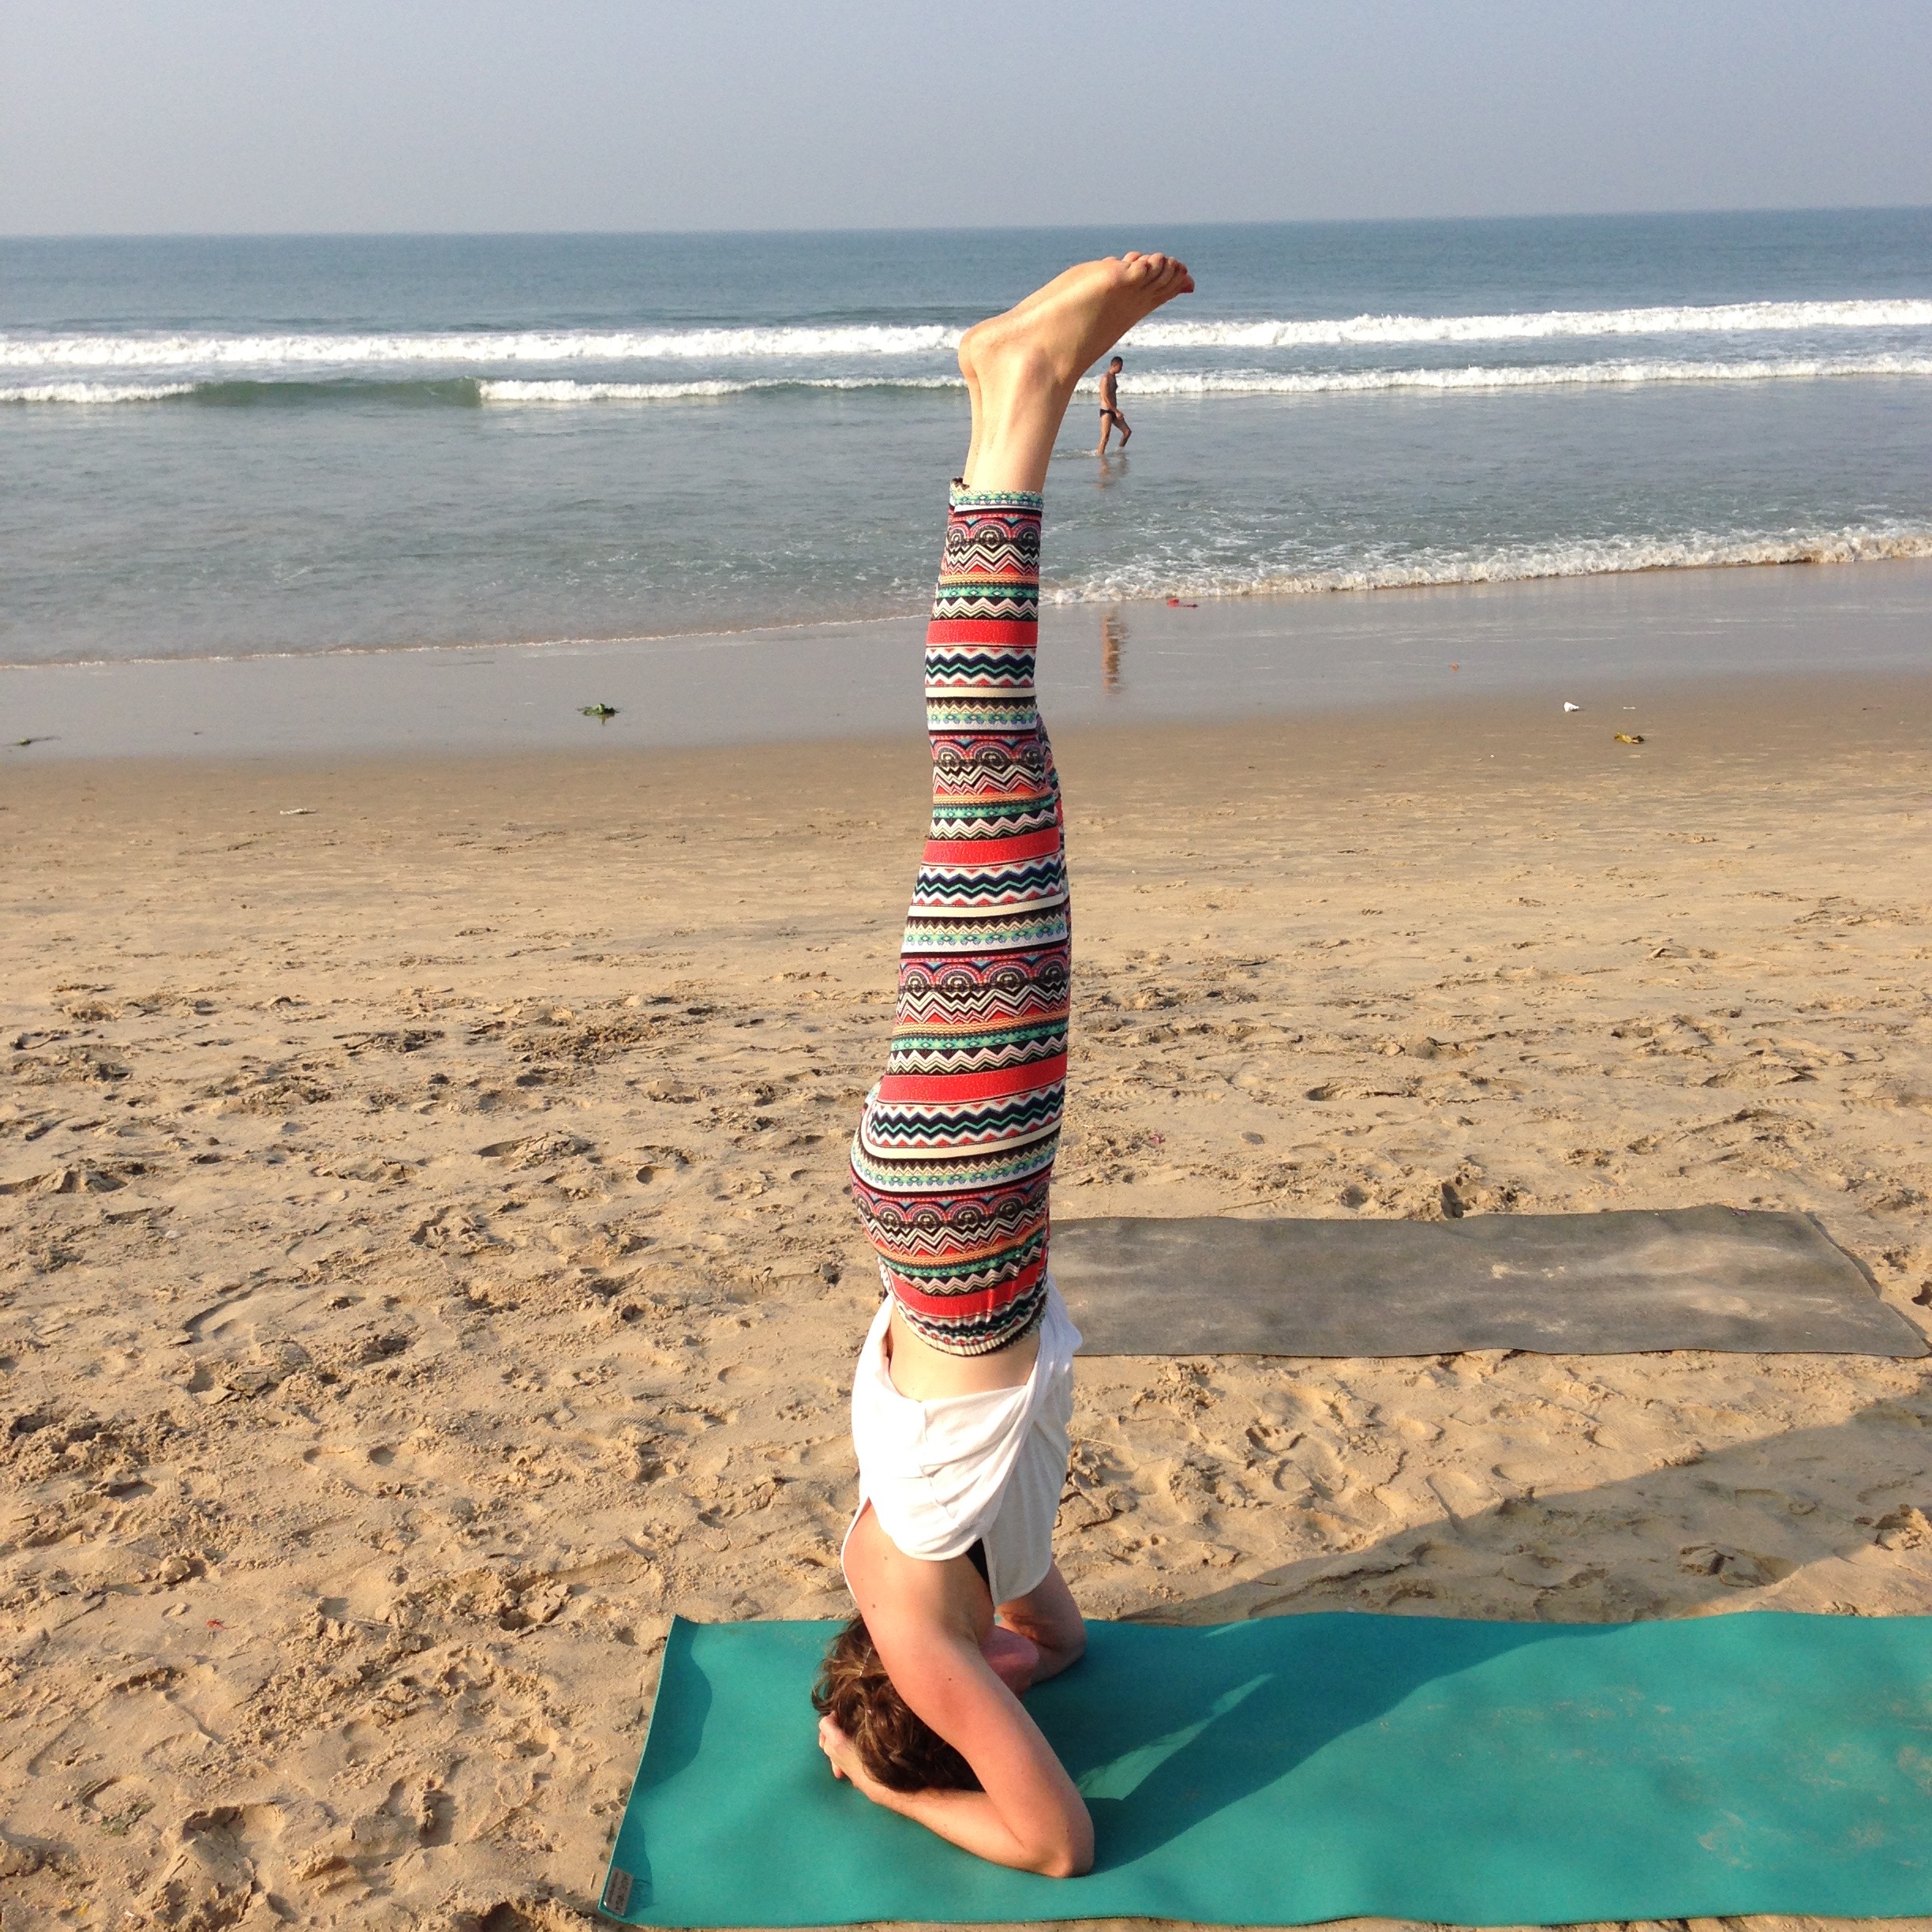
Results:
x,y
896,1745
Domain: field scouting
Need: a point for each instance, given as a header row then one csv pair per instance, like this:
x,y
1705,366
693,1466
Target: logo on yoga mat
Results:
x,y
617,1891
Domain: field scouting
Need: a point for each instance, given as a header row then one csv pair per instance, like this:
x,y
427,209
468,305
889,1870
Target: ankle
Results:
x,y
1013,453
992,477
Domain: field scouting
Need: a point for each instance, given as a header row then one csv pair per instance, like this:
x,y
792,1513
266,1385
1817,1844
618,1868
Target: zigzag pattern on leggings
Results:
x,y
955,1143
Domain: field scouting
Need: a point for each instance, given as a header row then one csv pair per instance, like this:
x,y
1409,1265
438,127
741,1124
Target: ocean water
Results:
x,y
232,446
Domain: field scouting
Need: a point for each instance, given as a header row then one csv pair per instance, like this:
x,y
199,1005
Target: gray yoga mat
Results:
x,y
1589,1284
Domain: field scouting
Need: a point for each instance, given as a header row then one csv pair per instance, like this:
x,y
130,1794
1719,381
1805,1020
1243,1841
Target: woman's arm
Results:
x,y
928,1620
967,1819
1028,1815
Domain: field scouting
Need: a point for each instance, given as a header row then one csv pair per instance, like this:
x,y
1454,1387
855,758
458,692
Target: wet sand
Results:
x,y
425,1264
1137,663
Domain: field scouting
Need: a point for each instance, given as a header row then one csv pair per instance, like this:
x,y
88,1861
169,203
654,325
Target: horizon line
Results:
x,y
1325,221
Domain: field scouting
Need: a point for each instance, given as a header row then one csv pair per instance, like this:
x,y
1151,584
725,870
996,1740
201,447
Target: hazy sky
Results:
x,y
154,116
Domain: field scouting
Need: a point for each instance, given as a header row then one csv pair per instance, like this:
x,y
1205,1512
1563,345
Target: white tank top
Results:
x,y
988,1468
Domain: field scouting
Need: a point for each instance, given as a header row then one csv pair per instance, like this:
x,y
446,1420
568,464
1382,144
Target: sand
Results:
x,y
1138,663
425,1264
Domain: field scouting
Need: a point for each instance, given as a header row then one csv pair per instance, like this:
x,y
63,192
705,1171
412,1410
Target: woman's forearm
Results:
x,y
968,1820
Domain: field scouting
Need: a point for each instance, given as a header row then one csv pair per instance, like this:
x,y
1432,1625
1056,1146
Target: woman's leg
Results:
x,y
1021,367
1049,1620
955,1147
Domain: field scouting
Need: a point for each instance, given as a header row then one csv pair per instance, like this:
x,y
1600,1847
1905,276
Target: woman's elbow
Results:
x,y
1067,1862
1071,1854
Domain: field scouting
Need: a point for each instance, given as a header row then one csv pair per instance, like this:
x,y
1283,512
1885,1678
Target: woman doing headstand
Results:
x,y
964,1391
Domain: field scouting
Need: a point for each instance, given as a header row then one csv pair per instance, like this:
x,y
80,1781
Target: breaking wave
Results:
x,y
468,391
95,392
310,350
1723,319
500,390
1523,563
313,351
1626,373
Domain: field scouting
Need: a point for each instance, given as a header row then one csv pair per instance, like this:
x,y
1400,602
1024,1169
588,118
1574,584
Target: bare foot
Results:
x,y
1021,367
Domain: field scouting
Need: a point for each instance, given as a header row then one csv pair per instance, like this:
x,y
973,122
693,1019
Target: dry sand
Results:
x,y
426,1263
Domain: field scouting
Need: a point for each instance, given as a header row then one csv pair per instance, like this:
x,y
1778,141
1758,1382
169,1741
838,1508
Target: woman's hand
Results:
x,y
842,1754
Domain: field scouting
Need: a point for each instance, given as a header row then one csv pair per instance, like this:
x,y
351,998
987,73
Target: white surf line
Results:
x,y
96,392
1509,564
98,349
1726,318
1625,373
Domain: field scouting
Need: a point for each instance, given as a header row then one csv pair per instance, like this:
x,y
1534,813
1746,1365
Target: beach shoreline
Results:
x,y
231,446
1134,663
427,1264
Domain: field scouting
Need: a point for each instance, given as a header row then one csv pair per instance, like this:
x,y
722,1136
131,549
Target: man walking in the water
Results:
x,y
1110,416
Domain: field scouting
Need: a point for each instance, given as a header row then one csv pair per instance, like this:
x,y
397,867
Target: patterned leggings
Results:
x,y
955,1145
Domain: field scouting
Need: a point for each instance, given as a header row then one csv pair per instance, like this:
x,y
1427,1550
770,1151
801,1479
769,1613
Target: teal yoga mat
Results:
x,y
1303,1768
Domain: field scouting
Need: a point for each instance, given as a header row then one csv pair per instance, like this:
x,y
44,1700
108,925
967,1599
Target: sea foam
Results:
x,y
316,351
472,347
500,390
1506,563
512,391
95,392
1624,372
1728,318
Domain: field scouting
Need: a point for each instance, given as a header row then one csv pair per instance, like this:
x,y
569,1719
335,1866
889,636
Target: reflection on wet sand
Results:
x,y
1113,636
